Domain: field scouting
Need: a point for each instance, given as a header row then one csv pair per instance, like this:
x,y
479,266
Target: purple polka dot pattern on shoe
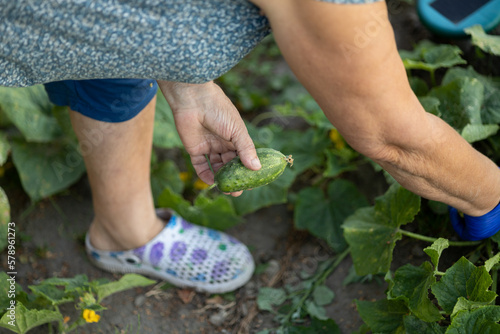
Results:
x,y
177,251
220,269
139,252
156,253
198,256
185,225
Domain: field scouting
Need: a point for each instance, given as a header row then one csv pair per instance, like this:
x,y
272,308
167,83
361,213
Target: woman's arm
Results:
x,y
346,56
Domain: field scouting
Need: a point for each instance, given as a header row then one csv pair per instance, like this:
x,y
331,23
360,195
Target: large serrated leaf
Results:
x,y
490,108
477,132
70,284
429,56
460,101
413,283
46,169
414,325
482,320
323,216
383,316
463,279
30,111
372,232
26,319
50,292
487,43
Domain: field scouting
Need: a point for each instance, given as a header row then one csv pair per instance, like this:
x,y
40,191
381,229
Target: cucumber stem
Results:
x,y
431,239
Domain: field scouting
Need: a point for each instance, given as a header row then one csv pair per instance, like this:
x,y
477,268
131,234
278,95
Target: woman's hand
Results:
x,y
209,124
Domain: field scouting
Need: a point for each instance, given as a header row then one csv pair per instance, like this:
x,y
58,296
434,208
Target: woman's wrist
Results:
x,y
182,95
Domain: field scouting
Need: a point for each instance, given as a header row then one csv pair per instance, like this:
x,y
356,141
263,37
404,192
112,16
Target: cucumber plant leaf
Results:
x,y
317,327
372,232
4,218
27,319
463,279
165,174
490,108
413,284
414,325
165,133
429,56
275,192
323,215
127,281
4,148
270,297
482,320
460,101
383,316
477,132
487,43
217,213
30,111
435,250
46,169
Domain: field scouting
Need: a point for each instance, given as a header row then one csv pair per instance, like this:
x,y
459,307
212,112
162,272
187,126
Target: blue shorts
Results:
x,y
107,100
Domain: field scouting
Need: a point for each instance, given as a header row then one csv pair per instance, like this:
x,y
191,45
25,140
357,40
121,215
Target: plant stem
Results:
x,y
494,274
431,239
320,279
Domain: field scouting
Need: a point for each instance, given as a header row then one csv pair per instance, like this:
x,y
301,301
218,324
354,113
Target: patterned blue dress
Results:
x,y
188,41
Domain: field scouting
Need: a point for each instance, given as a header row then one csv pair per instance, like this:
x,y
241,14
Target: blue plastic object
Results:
x,y
449,18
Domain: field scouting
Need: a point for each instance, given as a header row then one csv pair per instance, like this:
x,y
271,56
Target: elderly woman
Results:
x,y
342,51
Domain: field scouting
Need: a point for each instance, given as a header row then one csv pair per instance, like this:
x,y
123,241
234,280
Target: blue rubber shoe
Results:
x,y
475,228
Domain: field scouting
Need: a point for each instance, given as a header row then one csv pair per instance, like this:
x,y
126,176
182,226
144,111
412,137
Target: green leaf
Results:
x,y
70,284
53,294
430,104
480,320
477,132
46,169
413,283
429,56
323,295
165,133
414,325
270,194
215,213
4,218
467,305
165,174
128,281
26,319
383,316
434,251
323,216
317,327
487,43
372,232
30,111
315,310
4,148
336,165
463,279
419,86
461,101
488,264
490,108
269,297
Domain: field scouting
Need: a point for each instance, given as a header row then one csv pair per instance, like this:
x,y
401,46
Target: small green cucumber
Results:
x,y
234,176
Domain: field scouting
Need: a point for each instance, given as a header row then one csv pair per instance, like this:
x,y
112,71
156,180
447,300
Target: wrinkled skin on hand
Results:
x,y
209,125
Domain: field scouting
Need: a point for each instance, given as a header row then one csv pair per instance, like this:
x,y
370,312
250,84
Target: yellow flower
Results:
x,y
199,184
337,139
66,319
90,316
184,176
